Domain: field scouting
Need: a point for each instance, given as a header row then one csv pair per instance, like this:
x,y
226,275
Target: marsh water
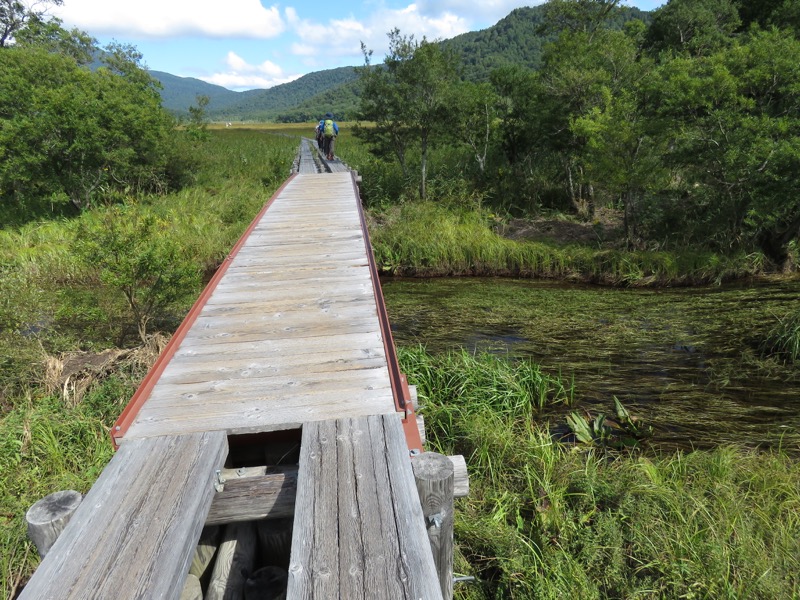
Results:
x,y
683,359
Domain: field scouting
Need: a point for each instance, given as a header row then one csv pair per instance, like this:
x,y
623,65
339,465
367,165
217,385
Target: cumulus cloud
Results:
x,y
341,38
240,75
169,18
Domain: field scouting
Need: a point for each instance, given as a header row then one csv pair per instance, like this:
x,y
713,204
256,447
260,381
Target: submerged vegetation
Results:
x,y
552,520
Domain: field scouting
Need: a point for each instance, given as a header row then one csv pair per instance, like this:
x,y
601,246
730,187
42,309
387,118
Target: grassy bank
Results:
x,y
546,520
434,239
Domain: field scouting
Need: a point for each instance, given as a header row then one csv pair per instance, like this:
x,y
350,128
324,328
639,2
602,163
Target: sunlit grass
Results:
x,y
547,520
434,239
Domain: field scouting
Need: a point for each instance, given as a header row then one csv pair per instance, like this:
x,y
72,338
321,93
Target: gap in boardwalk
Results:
x,y
245,546
272,448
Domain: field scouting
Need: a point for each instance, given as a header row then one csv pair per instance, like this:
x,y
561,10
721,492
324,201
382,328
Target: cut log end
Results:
x,y
49,516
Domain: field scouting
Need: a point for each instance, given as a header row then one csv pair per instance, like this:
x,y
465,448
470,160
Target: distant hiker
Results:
x,y
329,132
319,135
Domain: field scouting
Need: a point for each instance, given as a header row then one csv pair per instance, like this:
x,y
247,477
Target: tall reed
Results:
x,y
549,520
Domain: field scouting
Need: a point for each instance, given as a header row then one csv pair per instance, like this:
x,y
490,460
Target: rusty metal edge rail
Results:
x,y
139,397
398,381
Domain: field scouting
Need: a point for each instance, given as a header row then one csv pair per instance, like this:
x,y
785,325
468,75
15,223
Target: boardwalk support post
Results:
x,y
434,476
49,516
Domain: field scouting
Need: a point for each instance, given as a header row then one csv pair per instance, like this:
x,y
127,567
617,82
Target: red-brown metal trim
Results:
x,y
141,395
400,391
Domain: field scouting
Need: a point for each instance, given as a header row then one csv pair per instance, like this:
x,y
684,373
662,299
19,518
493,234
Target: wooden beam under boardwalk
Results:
x,y
358,528
135,532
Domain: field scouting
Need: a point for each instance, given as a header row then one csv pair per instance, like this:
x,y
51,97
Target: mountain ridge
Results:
x,y
517,39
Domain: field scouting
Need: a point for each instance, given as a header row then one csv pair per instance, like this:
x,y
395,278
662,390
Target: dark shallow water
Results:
x,y
684,359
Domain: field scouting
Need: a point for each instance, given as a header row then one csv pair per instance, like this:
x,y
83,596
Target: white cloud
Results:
x,y
240,75
341,38
169,18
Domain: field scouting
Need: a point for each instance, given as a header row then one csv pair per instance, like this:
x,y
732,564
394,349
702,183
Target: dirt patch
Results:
x,y
606,230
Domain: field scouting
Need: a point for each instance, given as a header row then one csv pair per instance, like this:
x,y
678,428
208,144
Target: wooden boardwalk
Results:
x,y
289,335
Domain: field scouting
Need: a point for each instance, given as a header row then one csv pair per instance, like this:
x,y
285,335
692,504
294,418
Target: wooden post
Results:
x,y
205,551
434,476
235,561
49,516
192,590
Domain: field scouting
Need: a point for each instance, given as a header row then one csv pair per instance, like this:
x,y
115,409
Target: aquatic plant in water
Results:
x,y
626,431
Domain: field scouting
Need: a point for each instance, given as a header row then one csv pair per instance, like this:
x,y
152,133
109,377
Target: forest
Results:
x,y
688,126
669,140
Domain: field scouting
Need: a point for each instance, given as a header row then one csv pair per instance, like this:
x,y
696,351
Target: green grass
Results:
x,y
546,520
783,340
437,239
45,446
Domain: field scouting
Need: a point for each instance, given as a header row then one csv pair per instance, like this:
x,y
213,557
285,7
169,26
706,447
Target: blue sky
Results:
x,y
246,44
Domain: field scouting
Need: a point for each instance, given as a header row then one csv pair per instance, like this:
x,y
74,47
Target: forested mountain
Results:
x,y
516,39
310,93
179,93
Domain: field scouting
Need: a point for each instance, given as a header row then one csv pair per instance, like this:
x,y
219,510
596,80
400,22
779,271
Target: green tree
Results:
x,y
735,123
587,77
15,15
693,27
70,134
134,253
48,34
197,128
578,16
406,99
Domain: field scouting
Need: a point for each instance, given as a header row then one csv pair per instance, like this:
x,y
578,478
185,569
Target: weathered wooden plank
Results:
x,y
244,390
322,260
253,497
347,240
310,469
387,542
291,274
377,560
241,418
320,318
297,309
266,407
336,282
279,236
416,557
213,369
293,347
133,507
351,552
325,557
269,292
331,329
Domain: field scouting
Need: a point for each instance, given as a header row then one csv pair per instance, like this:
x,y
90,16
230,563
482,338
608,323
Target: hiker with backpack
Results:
x,y
329,132
318,134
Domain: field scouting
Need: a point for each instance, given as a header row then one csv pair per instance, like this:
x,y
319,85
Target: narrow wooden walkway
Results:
x,y
288,335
